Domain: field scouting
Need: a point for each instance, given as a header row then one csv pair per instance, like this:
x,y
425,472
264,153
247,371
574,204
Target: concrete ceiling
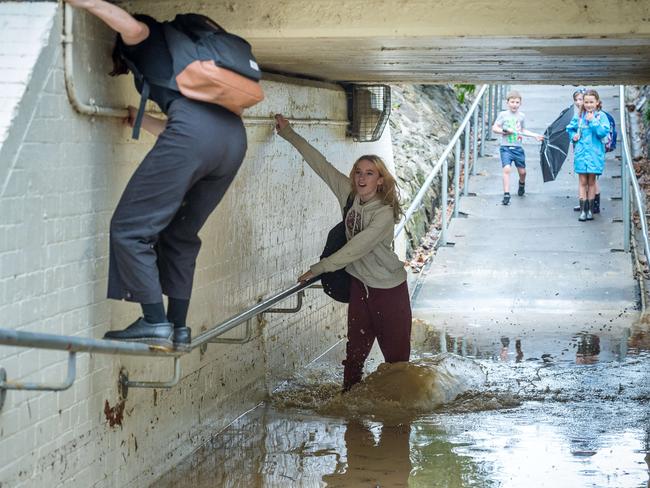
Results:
x,y
475,60
550,41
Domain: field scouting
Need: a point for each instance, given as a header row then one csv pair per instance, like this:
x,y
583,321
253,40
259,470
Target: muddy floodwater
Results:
x,y
535,407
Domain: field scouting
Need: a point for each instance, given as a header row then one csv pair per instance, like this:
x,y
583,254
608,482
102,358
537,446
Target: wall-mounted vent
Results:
x,y
368,111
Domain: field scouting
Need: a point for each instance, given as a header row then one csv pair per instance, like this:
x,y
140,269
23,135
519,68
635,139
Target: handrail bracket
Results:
x,y
16,385
124,383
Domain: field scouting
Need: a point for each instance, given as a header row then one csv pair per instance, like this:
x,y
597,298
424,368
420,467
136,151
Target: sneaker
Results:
x,y
183,339
506,199
522,189
145,332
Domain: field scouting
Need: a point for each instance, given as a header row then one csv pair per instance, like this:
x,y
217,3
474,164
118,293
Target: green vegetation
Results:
x,y
463,90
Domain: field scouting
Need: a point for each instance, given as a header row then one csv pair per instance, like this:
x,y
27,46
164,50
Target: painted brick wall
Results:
x,y
63,174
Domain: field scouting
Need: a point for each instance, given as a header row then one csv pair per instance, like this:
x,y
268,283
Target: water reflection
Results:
x,y
562,407
588,348
505,350
376,455
597,343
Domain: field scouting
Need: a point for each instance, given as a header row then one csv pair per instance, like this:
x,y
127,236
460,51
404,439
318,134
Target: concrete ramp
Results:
x,y
532,263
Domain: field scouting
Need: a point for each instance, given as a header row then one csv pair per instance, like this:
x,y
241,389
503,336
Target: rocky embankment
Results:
x,y
423,120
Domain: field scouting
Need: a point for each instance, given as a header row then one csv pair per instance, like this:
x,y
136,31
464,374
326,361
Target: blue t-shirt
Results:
x,y
152,58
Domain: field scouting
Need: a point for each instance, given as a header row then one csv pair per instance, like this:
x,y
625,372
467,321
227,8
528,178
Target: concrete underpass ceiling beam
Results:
x,y
588,41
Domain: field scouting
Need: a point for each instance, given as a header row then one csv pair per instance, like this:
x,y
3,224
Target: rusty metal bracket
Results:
x,y
248,336
299,296
125,383
16,385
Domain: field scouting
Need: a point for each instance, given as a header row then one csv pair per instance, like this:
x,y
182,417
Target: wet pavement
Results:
x,y
556,410
530,367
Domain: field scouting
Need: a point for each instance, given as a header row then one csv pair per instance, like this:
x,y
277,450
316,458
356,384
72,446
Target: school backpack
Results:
x,y
209,65
610,139
336,284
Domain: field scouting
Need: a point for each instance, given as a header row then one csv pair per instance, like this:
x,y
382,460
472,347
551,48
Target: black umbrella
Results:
x,y
555,146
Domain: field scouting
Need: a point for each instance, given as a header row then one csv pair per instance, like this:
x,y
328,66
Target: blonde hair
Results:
x,y
388,191
513,94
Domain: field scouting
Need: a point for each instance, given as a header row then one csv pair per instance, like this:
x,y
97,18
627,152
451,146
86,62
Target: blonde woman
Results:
x,y
379,305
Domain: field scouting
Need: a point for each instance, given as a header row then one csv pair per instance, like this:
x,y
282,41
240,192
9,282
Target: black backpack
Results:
x,y
209,64
336,284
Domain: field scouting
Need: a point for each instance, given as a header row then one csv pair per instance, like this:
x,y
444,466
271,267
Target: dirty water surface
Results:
x,y
474,408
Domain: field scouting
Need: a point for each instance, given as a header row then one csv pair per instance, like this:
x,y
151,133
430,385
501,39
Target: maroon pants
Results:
x,y
384,314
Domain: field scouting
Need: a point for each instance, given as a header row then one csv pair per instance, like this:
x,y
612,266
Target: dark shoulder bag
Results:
x,y
337,283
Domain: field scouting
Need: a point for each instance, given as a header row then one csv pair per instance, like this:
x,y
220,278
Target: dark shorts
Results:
x,y
513,154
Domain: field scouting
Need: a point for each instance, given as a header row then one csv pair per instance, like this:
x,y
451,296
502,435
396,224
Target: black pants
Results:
x,y
154,231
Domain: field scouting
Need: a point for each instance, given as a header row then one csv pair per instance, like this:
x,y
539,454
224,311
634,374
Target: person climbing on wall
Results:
x,y
379,304
154,239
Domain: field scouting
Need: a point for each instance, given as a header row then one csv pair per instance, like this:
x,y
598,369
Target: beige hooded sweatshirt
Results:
x,y
369,227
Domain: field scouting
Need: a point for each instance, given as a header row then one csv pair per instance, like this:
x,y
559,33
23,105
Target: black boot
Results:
x,y
142,331
506,198
183,339
590,205
596,208
583,211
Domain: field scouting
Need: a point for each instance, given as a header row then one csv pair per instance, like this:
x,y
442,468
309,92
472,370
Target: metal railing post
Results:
x,y
625,201
482,123
444,198
474,141
490,97
456,177
495,103
466,161
629,184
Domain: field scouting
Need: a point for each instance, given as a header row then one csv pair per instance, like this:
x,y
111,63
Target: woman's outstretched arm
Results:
x,y
337,181
132,31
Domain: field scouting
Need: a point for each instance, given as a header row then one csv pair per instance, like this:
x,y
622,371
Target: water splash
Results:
x,y
403,388
416,387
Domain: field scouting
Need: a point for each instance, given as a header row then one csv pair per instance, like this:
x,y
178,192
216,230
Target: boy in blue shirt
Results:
x,y
511,125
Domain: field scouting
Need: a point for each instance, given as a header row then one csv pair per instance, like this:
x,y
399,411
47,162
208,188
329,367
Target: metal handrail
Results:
x,y
11,337
73,344
417,200
626,161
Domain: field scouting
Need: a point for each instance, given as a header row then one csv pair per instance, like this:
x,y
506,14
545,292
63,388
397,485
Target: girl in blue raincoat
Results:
x,y
588,130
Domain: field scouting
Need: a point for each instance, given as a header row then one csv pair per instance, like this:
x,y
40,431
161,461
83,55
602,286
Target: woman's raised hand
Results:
x,y
280,122
80,3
